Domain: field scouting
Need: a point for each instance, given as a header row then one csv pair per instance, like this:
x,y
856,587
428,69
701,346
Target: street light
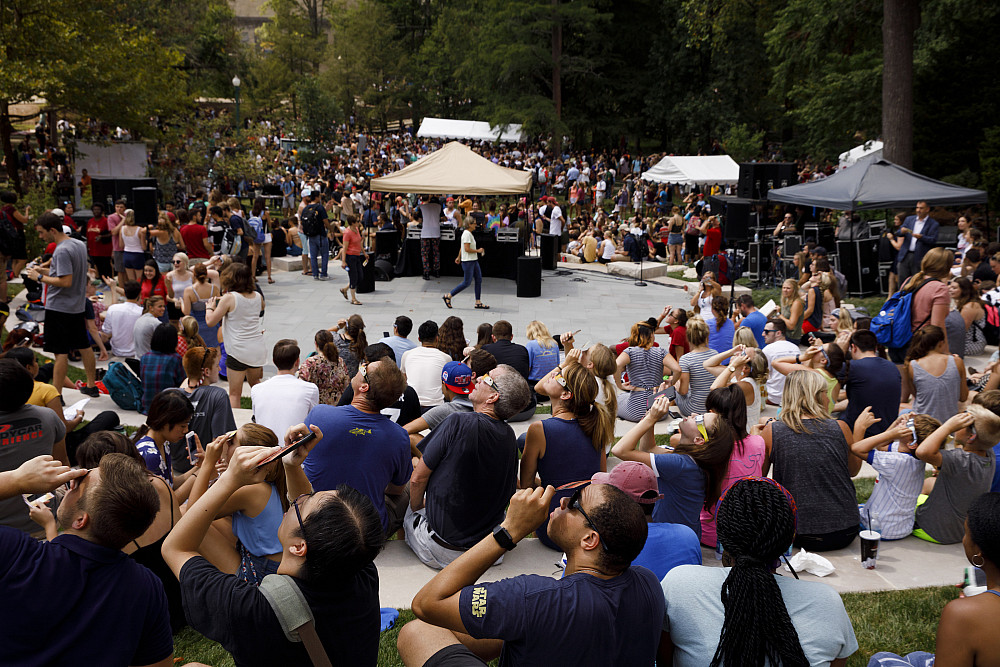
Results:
x,y
236,85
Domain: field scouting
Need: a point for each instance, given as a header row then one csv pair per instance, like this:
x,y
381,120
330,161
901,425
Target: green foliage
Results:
x,y
896,621
989,160
319,110
741,143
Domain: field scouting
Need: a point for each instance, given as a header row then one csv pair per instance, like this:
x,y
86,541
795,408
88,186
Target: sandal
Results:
x,y
447,300
482,306
357,303
344,292
270,281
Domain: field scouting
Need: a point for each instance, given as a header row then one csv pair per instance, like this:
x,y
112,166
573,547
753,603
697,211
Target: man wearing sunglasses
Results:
x,y
99,606
329,540
603,612
460,487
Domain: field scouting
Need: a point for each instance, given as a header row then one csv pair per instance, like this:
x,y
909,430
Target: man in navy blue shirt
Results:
x,y
79,600
362,447
603,612
753,319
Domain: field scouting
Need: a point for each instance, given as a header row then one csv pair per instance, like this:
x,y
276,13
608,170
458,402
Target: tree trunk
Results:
x,y
899,23
10,159
556,75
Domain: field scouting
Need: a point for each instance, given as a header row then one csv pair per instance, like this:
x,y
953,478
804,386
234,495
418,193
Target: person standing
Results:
x,y
314,225
65,310
350,258
239,311
99,241
919,233
430,237
468,257
195,235
115,222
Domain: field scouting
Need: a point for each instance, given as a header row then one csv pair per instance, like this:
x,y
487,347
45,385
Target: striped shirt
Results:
x,y
699,382
894,498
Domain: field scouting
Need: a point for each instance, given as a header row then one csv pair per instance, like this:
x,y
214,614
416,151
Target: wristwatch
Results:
x,y
503,538
732,369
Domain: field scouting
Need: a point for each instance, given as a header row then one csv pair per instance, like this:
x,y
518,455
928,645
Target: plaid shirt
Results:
x,y
158,372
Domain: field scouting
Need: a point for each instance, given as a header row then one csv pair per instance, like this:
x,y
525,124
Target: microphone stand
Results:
x,y
639,282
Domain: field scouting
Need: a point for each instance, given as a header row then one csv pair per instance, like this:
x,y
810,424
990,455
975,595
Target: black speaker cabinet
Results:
x,y
384,270
367,282
790,244
758,178
550,251
759,260
143,202
529,276
859,264
737,221
109,190
387,243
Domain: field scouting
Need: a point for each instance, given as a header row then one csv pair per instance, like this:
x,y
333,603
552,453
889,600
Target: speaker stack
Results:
x,y
143,202
759,260
859,264
550,251
109,190
759,178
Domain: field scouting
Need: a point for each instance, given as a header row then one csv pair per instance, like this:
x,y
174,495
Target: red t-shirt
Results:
x,y
352,241
194,235
713,241
94,227
148,289
10,210
678,337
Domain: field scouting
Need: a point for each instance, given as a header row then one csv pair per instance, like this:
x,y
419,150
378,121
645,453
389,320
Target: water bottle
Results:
x,y
718,550
756,237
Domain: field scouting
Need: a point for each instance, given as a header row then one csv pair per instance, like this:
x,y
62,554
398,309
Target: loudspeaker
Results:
x,y
367,282
529,276
736,218
550,251
820,234
759,262
109,190
384,270
143,202
387,243
859,264
790,244
759,178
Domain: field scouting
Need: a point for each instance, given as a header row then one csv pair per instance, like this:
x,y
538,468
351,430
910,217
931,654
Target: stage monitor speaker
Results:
x,y
387,243
550,251
384,270
790,244
859,264
529,276
759,259
737,221
367,282
143,202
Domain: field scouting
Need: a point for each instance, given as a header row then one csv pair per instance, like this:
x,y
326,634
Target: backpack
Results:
x,y
123,386
312,225
8,235
294,615
991,328
257,229
892,326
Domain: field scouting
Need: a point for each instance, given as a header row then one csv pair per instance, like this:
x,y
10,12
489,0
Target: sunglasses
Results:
x,y
178,261
558,377
574,503
699,421
492,383
364,372
767,331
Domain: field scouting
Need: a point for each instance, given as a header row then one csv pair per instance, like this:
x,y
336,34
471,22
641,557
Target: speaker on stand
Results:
x,y
529,276
143,202
859,264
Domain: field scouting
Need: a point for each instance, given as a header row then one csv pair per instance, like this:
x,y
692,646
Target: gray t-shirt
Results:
x,y
25,433
142,333
963,477
694,615
439,413
69,258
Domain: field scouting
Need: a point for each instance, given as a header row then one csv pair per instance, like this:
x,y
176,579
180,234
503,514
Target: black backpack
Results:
x,y
312,224
8,235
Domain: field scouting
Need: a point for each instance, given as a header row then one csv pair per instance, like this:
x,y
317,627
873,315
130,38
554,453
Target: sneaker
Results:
x,y
324,278
93,392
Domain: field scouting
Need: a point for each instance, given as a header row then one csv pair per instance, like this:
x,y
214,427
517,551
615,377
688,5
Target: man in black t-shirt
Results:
x,y
467,472
506,351
329,541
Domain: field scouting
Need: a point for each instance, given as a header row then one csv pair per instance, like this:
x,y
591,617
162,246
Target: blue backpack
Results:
x,y
123,386
893,324
258,229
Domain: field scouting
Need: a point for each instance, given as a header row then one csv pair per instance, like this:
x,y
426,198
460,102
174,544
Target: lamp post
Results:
x,y
236,86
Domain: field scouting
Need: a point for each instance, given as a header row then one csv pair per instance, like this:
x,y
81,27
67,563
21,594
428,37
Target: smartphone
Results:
x,y
36,498
192,446
669,393
284,450
385,334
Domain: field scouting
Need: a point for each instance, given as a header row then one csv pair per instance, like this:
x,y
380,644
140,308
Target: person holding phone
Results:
x,y
256,509
350,258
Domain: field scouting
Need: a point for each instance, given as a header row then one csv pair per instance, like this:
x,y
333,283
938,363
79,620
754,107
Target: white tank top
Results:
x,y
181,285
131,242
241,329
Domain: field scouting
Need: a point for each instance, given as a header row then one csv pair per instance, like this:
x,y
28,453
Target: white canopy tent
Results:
x,y
870,150
694,170
473,130
455,169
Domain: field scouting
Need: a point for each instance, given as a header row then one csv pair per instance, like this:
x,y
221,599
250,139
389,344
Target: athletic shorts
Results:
x,y
65,332
234,364
134,260
455,655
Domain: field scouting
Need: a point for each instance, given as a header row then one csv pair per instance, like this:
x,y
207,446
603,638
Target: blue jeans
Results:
x,y
319,249
470,272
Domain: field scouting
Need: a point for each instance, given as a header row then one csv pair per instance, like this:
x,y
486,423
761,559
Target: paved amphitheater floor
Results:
x,y
572,297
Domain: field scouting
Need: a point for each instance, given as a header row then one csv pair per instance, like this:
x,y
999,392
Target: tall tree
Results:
x,y
900,21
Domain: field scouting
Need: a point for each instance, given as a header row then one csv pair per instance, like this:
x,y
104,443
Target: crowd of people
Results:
x,y
193,521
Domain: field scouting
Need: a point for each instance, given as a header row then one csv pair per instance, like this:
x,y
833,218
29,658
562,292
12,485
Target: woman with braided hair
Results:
x,y
765,619
570,445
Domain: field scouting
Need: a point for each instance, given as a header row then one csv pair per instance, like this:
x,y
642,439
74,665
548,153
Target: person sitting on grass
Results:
x,y
900,473
603,612
963,473
966,633
329,540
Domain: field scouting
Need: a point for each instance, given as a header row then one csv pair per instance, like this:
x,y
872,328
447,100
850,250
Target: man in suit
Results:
x,y
919,234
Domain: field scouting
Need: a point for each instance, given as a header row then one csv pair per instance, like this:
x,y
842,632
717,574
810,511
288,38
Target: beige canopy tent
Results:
x,y
454,169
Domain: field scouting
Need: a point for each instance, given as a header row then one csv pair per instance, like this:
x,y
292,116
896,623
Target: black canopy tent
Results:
x,y
876,184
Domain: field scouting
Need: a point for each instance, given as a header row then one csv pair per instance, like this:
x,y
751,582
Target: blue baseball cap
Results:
x,y
457,377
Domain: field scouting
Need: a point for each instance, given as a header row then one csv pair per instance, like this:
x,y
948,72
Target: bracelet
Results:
x,y
796,358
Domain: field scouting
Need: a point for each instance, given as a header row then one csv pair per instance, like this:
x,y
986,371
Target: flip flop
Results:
x,y
270,281
482,306
447,300
344,292
357,303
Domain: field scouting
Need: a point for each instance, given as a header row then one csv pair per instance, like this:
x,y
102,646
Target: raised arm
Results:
x,y
625,449
929,451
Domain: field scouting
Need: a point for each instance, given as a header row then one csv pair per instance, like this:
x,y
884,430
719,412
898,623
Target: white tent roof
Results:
x,y
870,150
694,170
454,169
447,128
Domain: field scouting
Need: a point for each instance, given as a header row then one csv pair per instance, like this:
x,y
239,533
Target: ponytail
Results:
x,y
326,346
605,365
356,330
596,420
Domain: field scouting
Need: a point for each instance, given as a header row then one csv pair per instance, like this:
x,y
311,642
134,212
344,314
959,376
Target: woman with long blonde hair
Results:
x,y
543,351
811,453
791,309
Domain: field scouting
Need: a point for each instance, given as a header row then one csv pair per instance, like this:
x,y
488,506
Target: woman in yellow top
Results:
x,y
469,259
